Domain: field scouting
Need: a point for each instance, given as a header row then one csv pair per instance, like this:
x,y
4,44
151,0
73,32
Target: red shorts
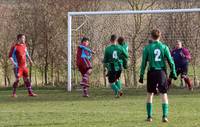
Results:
x,y
21,72
84,65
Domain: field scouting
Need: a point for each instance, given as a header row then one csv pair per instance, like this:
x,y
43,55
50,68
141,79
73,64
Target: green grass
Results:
x,y
56,108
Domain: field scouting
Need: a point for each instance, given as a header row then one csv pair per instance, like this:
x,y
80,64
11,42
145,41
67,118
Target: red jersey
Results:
x,y
19,54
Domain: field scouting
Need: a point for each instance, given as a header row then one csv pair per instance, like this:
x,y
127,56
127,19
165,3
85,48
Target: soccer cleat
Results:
x,y
117,96
164,119
14,95
120,93
32,95
149,119
85,95
190,88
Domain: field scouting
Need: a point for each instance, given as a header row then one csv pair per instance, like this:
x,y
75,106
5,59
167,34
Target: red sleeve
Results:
x,y
11,50
186,53
78,56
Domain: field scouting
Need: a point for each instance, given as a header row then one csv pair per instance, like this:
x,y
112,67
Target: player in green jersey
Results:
x,y
155,54
124,45
113,56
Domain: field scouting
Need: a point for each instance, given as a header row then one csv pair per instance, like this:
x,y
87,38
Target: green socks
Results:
x,y
149,109
119,84
165,109
115,88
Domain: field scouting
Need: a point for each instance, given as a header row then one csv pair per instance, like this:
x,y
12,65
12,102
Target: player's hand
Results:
x,y
182,55
31,63
93,52
141,80
172,76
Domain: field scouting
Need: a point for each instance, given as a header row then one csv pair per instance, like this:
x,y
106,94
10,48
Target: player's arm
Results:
x,y
86,48
11,55
171,63
186,53
124,53
143,64
105,59
28,57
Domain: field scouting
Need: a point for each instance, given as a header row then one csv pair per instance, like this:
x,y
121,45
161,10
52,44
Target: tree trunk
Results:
x,y
36,83
104,76
46,73
52,71
134,71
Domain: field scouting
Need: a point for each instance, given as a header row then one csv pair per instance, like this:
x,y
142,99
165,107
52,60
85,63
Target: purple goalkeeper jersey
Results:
x,y
181,57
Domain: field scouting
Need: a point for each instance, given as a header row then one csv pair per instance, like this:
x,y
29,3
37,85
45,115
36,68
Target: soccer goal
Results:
x,y
134,26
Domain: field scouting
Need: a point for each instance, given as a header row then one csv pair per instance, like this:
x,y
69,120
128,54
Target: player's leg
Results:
x,y
27,82
15,84
118,83
112,80
86,69
85,84
151,89
165,106
149,106
162,87
184,75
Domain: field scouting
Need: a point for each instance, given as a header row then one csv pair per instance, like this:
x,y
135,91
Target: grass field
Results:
x,y
56,108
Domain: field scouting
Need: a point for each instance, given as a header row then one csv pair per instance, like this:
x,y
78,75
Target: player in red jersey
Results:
x,y
18,56
83,62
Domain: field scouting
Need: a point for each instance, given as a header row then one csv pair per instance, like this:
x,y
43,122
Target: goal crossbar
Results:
x,y
70,14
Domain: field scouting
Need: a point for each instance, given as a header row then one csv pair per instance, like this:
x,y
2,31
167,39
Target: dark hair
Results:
x,y
19,36
113,37
155,34
84,39
120,40
150,41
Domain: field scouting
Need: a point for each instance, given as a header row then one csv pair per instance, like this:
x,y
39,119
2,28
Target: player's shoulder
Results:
x,y
185,49
13,44
108,46
164,45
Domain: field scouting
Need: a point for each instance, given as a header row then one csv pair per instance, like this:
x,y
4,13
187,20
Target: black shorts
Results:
x,y
182,70
113,76
157,80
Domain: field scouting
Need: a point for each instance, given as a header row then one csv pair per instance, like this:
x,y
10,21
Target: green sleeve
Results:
x,y
105,59
124,53
144,62
170,61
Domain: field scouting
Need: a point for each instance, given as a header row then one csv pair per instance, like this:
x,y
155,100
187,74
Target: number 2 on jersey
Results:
x,y
157,52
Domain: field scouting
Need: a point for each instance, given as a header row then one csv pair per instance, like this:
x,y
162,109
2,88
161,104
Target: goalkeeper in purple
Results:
x,y
155,54
181,58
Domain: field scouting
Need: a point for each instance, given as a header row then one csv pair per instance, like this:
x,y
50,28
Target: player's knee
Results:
x,y
149,97
89,71
17,80
164,98
184,76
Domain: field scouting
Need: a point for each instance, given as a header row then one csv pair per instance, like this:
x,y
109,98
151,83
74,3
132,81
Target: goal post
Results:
x,y
128,12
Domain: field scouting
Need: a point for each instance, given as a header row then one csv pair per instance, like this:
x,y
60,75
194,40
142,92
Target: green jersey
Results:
x,y
156,53
125,46
125,60
114,55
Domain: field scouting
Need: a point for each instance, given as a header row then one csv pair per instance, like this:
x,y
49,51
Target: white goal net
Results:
x,y
134,26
